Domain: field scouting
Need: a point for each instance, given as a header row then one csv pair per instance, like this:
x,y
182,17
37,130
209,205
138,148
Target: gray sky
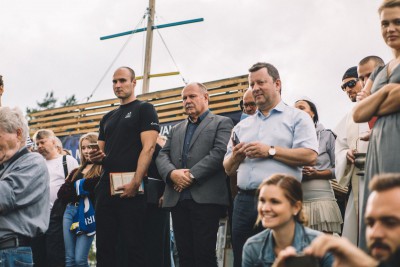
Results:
x,y
54,45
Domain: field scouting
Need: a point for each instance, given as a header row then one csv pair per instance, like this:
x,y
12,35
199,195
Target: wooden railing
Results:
x,y
224,94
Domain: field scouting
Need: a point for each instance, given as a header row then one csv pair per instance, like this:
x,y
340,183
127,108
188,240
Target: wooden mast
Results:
x,y
149,43
149,46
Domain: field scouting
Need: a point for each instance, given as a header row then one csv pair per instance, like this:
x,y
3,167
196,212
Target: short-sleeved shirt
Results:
x,y
120,129
285,126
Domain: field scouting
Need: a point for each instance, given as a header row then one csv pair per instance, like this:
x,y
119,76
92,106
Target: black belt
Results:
x,y
14,242
251,192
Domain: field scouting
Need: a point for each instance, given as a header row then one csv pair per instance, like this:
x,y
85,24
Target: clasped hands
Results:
x,y
250,150
309,172
181,179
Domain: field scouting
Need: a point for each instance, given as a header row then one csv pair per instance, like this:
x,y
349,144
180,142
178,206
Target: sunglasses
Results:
x,y
350,84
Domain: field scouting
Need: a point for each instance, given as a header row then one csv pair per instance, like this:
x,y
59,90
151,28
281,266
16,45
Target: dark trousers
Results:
x,y
48,249
119,226
243,224
195,228
157,237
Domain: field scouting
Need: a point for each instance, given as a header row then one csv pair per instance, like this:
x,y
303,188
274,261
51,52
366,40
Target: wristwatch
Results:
x,y
271,152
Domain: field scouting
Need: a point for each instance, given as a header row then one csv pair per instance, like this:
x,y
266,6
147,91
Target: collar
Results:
x,y
23,150
300,241
280,107
200,118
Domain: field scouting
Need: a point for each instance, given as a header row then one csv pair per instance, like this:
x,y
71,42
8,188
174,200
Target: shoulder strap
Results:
x,y
329,130
65,165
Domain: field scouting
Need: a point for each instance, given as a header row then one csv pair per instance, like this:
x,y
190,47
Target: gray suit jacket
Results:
x,y
204,159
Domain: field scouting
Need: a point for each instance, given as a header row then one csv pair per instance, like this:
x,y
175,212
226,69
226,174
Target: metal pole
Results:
x,y
149,46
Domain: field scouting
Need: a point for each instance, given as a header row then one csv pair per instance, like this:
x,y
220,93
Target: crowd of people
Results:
x,y
277,162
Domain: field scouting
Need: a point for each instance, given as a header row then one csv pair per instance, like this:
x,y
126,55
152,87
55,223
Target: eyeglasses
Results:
x,y
350,84
250,104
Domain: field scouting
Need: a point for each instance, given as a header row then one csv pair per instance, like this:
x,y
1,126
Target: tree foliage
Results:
x,y
50,101
69,101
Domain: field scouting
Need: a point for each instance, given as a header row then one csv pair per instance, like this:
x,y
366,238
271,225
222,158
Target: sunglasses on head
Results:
x,y
350,84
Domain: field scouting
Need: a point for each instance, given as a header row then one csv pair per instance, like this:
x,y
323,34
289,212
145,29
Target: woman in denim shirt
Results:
x,y
279,210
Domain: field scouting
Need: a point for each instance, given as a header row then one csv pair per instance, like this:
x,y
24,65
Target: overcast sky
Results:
x,y
54,45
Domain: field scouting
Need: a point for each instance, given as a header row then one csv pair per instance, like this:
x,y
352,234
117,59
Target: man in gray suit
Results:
x,y
191,165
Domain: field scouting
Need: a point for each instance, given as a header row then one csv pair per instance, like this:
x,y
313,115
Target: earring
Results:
x,y
294,214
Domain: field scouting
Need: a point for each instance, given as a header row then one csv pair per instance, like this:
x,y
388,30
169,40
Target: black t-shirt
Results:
x,y
120,130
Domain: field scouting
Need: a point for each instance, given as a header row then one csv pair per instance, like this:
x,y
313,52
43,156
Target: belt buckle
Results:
x,y
9,242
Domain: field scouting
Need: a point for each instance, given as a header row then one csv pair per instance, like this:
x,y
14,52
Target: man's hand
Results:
x,y
238,153
256,150
1,90
129,190
344,252
96,156
161,201
283,255
181,179
350,155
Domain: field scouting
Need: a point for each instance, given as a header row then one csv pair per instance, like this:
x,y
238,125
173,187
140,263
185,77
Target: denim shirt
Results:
x,y
259,249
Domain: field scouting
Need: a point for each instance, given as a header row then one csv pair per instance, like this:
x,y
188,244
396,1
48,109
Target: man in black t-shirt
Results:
x,y
127,140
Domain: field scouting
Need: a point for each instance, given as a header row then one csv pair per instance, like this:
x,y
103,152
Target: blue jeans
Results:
x,y
16,257
243,224
76,246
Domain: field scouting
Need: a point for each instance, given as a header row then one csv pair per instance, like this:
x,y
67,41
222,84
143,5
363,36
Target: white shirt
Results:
x,y
57,177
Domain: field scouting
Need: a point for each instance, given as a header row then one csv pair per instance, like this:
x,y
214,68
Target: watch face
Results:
x,y
272,151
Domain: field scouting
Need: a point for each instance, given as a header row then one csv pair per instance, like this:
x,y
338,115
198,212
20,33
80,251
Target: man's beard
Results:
x,y
381,245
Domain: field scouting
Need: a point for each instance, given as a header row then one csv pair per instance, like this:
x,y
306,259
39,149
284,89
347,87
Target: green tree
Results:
x,y
69,101
50,101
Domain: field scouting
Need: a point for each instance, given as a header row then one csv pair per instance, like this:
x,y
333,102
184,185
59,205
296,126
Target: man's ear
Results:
x,y
207,97
278,85
19,134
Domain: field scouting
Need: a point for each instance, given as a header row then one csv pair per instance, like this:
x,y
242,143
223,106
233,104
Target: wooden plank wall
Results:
x,y
225,96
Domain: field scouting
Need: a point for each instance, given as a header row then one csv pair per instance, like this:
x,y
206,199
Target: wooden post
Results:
x,y
149,46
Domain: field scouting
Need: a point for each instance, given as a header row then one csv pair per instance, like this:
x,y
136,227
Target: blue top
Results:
x,y
285,126
259,249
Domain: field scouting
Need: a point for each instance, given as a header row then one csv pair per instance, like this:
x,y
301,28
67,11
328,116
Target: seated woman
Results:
x,y
280,210
77,243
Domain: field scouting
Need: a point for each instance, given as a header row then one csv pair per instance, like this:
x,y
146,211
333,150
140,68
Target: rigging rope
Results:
x,y
116,57
170,54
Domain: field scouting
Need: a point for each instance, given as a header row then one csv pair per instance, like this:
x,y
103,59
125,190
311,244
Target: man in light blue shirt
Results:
x,y
277,139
